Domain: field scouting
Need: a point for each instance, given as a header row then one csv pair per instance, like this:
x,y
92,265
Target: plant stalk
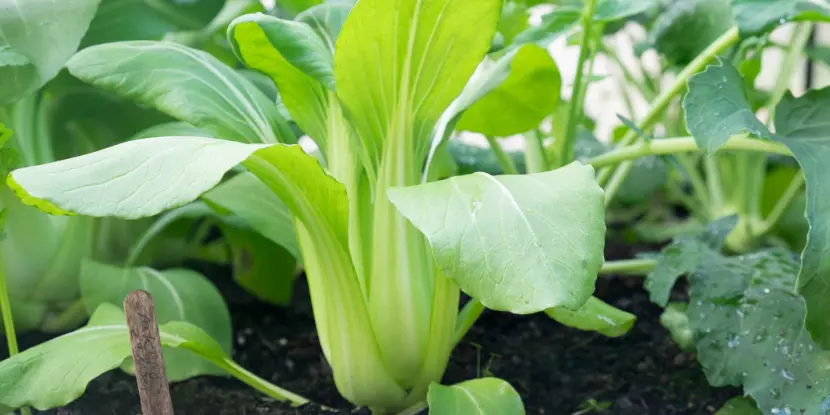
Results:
x,y
535,158
8,323
566,148
662,102
682,145
505,161
781,205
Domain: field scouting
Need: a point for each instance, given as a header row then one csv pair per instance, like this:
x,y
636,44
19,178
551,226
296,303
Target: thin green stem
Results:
x,y
535,158
8,323
505,161
466,318
629,267
714,185
664,99
566,148
647,93
260,384
800,37
781,205
682,145
696,179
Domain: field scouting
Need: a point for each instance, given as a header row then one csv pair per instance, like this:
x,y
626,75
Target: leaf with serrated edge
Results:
x,y
179,295
516,243
477,396
716,107
185,83
803,125
748,327
758,16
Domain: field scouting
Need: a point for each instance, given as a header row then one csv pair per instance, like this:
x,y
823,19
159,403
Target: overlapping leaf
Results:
x,y
187,84
478,396
545,250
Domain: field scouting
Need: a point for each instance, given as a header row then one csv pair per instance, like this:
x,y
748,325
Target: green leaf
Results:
x,y
612,10
261,267
5,134
185,83
554,24
298,57
707,19
748,324
478,396
296,6
739,406
515,18
716,108
28,57
119,20
178,295
802,125
595,315
757,16
518,104
56,372
246,196
398,66
683,256
545,250
676,320
145,177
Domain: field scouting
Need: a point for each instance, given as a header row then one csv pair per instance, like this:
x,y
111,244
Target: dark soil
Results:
x,y
557,370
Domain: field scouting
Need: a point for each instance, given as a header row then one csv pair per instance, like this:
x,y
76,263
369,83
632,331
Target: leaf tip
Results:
x,y
34,201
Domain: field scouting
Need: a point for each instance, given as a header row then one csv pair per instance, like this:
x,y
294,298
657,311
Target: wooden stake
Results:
x,y
146,346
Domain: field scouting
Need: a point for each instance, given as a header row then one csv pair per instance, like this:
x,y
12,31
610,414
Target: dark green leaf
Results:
x,y
263,268
185,83
716,108
554,24
670,33
758,16
119,20
748,324
612,10
178,295
547,251
478,396
802,124
683,256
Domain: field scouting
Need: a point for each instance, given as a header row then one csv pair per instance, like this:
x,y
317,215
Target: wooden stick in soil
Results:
x,y
146,346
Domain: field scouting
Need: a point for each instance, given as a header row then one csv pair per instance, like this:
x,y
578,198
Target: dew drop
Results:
x,y
787,375
733,342
766,290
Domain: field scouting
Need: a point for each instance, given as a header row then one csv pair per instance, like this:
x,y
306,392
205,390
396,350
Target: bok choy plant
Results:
x,y
386,247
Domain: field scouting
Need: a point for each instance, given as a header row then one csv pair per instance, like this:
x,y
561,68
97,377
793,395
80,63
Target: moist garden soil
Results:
x,y
557,370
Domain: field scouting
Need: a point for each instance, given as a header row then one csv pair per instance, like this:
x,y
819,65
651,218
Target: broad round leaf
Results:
x,y
516,243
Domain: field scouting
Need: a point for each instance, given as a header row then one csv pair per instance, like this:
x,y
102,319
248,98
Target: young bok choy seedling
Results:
x,y
386,249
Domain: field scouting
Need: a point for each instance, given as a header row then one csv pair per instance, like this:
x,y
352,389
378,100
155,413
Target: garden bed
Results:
x,y
557,370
